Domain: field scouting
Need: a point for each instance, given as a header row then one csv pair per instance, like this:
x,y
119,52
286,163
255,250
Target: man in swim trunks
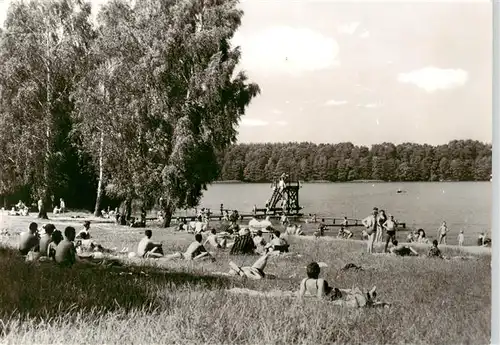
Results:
x,y
442,231
390,227
29,240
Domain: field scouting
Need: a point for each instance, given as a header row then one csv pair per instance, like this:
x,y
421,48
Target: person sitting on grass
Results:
x,y
344,233
277,244
256,271
56,238
195,252
65,250
421,236
401,250
87,245
260,242
243,244
46,239
214,240
434,252
85,232
313,285
147,248
29,240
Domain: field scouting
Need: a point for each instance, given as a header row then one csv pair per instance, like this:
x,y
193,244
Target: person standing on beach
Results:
x,y
371,225
381,218
461,238
442,231
390,228
40,204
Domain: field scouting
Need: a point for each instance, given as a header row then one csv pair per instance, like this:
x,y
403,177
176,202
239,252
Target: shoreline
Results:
x,y
354,181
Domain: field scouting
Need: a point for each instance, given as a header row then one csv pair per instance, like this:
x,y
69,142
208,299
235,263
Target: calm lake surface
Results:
x,y
464,205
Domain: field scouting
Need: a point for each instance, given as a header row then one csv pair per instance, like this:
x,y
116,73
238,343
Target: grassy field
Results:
x,y
434,301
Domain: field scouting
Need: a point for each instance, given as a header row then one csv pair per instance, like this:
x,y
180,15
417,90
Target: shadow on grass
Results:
x,y
45,290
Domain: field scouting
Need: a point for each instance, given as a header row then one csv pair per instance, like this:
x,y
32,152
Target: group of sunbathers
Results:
x,y
65,250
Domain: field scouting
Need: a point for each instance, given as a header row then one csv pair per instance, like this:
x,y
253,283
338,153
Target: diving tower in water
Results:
x,y
284,200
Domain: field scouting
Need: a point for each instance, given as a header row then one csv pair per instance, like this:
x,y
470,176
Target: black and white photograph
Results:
x,y
248,172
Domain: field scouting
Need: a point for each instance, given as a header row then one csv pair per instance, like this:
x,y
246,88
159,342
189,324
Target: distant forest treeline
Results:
x,y
459,160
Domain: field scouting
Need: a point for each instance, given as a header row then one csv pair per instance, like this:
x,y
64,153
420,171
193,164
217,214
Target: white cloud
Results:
x,y
333,102
281,123
365,34
432,79
348,29
370,105
253,122
277,111
283,49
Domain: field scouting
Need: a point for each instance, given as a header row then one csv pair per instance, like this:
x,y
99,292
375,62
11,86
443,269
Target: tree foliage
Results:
x,y
42,55
459,160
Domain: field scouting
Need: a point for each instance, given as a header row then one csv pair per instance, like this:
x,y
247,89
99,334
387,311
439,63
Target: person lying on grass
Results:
x,y
65,251
29,240
214,240
86,247
401,250
256,271
195,252
147,248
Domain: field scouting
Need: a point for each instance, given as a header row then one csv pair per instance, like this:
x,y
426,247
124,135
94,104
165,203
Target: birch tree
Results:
x,y
42,55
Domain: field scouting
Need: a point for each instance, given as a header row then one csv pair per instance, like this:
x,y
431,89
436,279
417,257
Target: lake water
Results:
x,y
464,205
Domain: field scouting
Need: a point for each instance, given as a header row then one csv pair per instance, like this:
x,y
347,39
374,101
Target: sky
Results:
x,y
365,72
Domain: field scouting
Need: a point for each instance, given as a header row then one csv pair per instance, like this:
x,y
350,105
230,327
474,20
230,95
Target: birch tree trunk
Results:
x,y
97,209
46,167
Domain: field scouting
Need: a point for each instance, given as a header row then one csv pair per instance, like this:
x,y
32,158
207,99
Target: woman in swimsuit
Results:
x,y
315,286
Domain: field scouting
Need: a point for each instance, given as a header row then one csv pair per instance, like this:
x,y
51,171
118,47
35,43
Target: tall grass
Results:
x,y
433,301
